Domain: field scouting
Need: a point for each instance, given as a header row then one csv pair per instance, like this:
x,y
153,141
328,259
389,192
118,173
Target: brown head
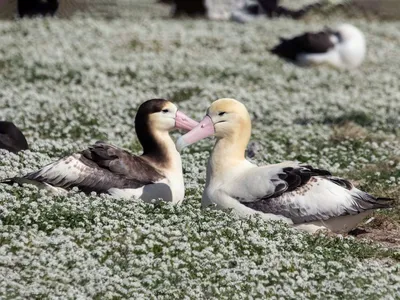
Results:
x,y
154,119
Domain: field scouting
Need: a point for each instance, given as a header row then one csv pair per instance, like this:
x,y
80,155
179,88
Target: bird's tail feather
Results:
x,y
41,185
386,202
9,181
366,201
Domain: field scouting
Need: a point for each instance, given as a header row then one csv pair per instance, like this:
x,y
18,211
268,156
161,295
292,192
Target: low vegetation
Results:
x,y
67,83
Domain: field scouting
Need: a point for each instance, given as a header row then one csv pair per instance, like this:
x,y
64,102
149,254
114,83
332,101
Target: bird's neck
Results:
x,y
159,148
228,152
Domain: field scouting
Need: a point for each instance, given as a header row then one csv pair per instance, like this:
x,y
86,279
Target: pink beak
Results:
x,y
204,129
182,121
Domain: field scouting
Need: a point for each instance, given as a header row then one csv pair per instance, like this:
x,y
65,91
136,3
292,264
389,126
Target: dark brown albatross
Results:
x,y
11,138
104,168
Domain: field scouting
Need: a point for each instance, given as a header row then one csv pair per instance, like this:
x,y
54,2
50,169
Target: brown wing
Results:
x,y
97,169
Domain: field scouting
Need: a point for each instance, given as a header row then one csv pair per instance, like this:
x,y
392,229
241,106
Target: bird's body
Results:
x,y
34,8
104,168
307,43
189,8
307,197
312,199
11,138
343,47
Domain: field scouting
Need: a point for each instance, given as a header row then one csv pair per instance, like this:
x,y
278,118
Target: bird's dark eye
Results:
x,y
221,113
165,110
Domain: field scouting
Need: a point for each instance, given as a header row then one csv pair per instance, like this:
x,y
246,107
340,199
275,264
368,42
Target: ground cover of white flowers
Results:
x,y
68,83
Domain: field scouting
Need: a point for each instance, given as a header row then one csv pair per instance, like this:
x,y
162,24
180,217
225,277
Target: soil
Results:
x,y
381,230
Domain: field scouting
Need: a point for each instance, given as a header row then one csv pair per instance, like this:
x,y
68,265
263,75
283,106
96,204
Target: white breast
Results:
x,y
170,189
159,190
214,182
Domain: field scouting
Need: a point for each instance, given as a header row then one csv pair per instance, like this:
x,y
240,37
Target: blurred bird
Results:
x,y
189,8
343,47
11,138
254,9
33,8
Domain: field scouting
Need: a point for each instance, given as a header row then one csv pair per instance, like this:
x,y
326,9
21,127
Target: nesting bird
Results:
x,y
307,197
343,47
11,138
104,168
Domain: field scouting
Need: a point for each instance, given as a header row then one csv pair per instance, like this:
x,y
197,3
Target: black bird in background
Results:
x,y
190,8
271,8
309,42
33,8
11,138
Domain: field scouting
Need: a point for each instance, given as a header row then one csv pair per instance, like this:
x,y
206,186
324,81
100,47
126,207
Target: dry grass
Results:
x,y
385,227
348,131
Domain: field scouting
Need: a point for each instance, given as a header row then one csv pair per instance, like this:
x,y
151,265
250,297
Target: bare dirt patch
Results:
x,y
383,230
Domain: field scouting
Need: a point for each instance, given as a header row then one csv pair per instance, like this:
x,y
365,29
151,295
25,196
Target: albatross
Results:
x,y
304,196
11,138
105,168
343,47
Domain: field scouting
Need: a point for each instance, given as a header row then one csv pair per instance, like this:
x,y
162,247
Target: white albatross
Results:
x,y
104,168
309,198
343,47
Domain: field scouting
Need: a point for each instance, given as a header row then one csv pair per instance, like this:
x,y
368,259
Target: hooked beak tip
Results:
x,y
204,129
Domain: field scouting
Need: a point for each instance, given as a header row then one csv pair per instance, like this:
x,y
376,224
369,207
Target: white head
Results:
x,y
352,47
349,32
227,119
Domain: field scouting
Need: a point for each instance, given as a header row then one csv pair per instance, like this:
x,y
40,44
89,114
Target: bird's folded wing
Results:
x,y
98,168
301,193
259,183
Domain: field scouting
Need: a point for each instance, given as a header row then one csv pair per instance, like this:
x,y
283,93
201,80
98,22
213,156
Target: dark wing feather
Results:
x,y
318,42
190,8
34,8
121,162
293,178
97,169
6,142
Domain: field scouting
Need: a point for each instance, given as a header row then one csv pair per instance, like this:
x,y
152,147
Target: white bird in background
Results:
x,y
104,168
309,198
343,47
